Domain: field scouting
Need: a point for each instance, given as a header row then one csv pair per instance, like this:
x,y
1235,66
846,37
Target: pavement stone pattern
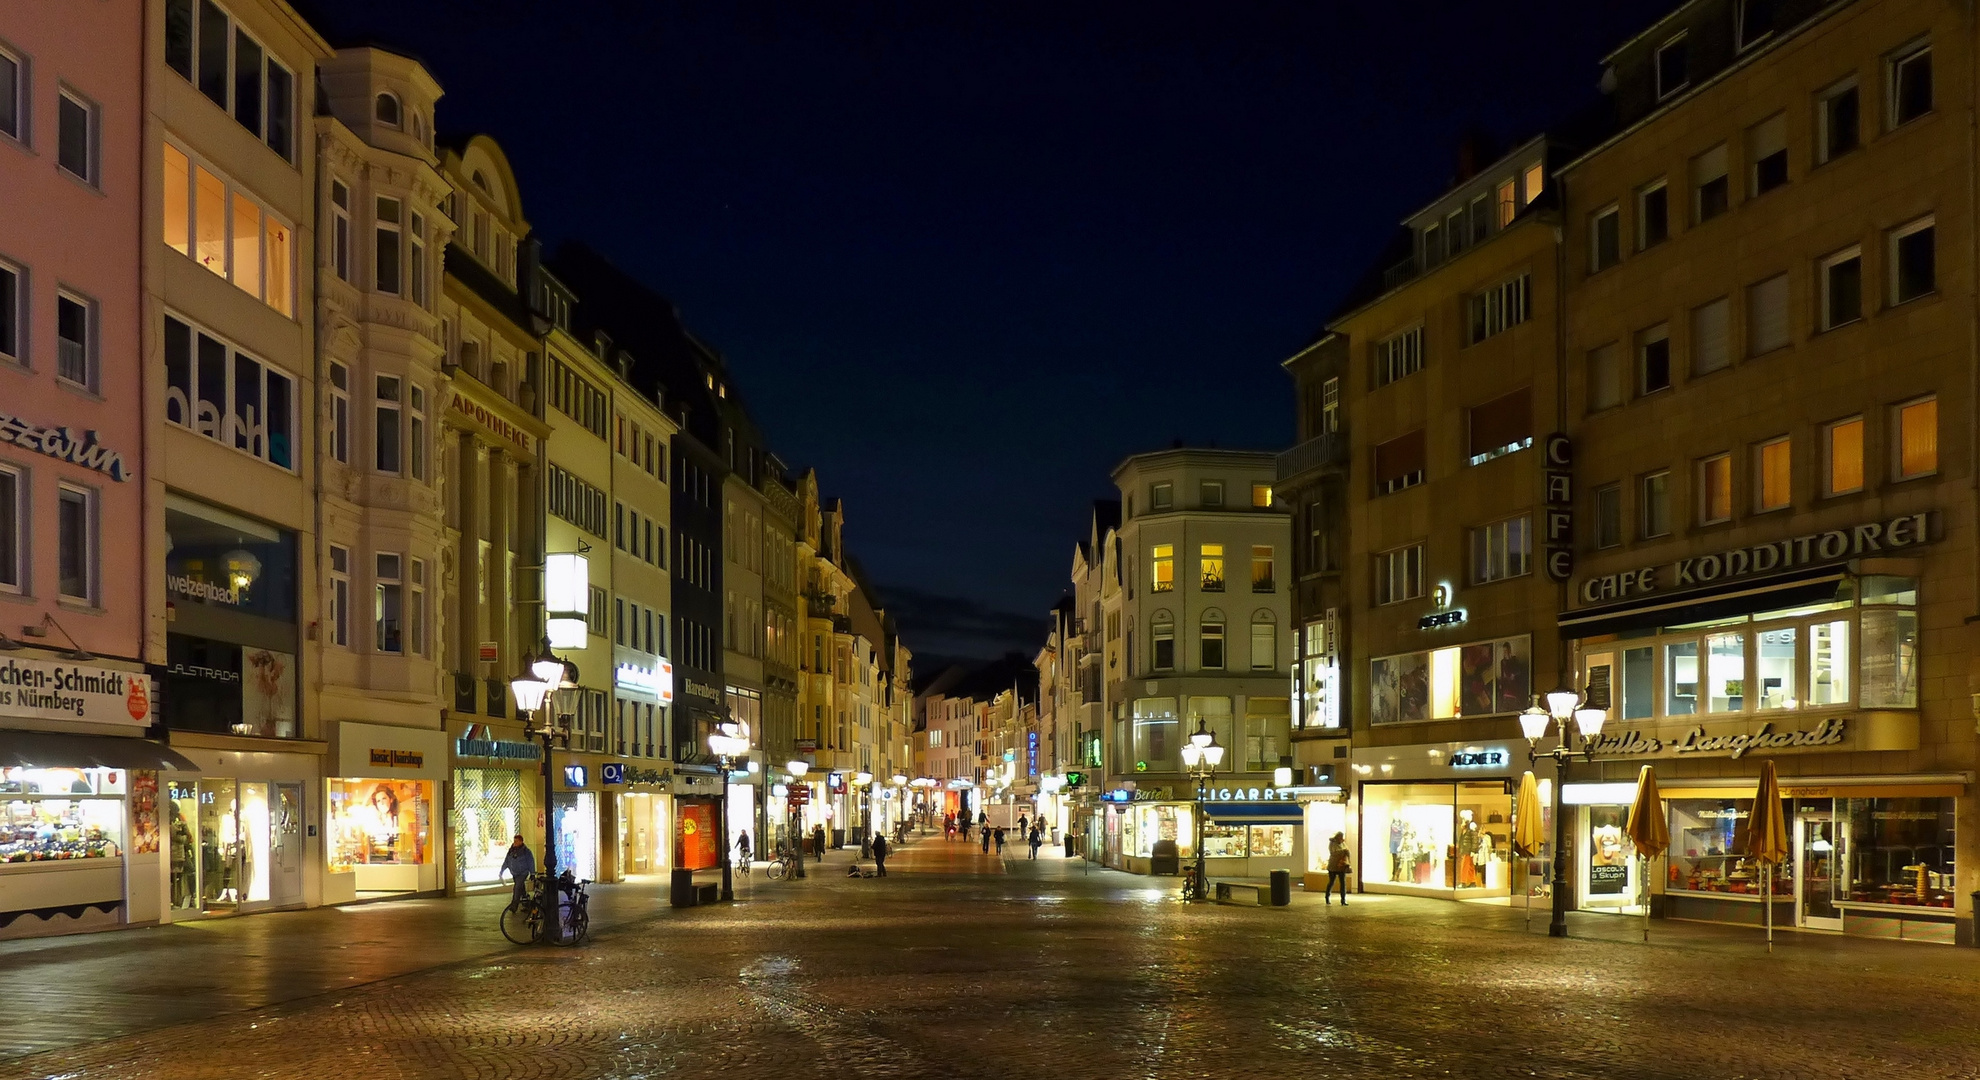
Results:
x,y
970,966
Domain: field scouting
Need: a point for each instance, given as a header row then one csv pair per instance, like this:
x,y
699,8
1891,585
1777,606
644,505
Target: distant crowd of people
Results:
x,y
1028,831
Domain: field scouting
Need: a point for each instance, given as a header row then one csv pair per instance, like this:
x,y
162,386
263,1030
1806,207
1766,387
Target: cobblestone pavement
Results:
x,y
964,965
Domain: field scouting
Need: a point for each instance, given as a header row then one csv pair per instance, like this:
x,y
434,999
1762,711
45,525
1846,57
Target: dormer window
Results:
x,y
1752,21
386,110
1673,67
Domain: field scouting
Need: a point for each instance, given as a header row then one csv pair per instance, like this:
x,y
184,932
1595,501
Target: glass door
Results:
x,y
220,885
1816,855
286,833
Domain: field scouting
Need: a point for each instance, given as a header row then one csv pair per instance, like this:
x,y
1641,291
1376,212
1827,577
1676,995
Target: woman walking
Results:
x,y
1337,866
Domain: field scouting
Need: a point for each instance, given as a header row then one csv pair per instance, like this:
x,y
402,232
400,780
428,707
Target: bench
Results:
x,y
1228,892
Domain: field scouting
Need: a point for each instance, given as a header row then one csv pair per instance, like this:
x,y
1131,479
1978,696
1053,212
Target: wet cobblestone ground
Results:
x,y
958,965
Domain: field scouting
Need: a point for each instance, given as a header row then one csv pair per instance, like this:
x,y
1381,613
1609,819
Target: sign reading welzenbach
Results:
x,y
1870,538
62,691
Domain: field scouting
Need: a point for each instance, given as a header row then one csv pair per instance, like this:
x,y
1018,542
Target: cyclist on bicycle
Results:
x,y
742,849
519,863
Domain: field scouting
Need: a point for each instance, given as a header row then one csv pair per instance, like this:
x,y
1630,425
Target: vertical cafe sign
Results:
x,y
1559,480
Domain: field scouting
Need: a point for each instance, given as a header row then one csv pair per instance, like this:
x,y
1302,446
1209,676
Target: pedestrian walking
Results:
x,y
986,840
1037,838
1023,823
880,855
1000,839
519,863
818,841
1337,866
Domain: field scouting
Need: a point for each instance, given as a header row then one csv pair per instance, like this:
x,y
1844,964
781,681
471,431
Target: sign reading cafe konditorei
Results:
x,y
63,444
1815,549
47,691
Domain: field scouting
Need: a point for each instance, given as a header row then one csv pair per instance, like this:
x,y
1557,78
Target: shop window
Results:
x,y
1437,836
1708,848
1639,677
1715,489
379,823
51,815
1910,80
1711,190
1162,564
1836,121
488,811
1267,726
1843,456
1772,486
1912,258
1842,288
1766,154
1899,852
1681,689
1480,679
1210,640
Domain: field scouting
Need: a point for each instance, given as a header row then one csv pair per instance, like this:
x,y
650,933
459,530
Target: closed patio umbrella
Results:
x,y
1766,838
1648,830
1528,831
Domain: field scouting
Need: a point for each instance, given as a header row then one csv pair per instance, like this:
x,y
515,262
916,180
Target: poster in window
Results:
x,y
1514,682
697,846
1382,691
1413,686
1608,852
144,812
1478,678
268,693
379,822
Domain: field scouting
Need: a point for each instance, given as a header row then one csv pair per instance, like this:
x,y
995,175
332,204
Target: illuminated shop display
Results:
x,y
488,814
233,842
1480,679
61,814
1437,837
379,823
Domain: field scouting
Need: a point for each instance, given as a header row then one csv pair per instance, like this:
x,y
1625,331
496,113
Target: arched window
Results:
x,y
1264,641
386,110
1210,642
1163,632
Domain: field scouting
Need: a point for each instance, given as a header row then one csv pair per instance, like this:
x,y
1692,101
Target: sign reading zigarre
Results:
x,y
1815,549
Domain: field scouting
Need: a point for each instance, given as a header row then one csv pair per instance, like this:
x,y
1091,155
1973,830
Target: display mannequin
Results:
x,y
1467,850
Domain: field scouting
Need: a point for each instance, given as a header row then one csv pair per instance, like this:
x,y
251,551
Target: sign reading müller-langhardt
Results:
x,y
1815,549
1735,739
52,691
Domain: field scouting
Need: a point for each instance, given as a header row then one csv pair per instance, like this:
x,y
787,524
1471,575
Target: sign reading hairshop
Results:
x,y
1558,460
44,691
62,444
1734,740
1814,549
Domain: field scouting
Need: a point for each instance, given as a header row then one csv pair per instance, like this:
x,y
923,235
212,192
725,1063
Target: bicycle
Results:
x,y
525,922
573,923
522,921
1193,886
784,865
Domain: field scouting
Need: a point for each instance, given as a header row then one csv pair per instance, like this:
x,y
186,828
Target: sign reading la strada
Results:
x,y
48,691
1814,549
1734,740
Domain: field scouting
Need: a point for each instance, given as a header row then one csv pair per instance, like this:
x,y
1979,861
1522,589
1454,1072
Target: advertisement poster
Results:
x,y
699,848
379,822
1514,682
1608,852
268,693
144,813
1382,690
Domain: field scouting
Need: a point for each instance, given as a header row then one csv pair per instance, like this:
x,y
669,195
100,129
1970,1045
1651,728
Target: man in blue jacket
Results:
x,y
520,863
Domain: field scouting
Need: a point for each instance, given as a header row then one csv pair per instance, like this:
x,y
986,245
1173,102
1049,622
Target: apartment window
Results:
x,y
1261,569
1261,496
340,229
1508,202
233,70
1162,564
417,262
1910,80
388,605
1399,463
1161,496
1837,120
1501,426
1608,516
1605,238
1653,215
1605,378
1843,456
386,425
1264,642
1767,315
1212,492
75,543
416,607
1653,359
226,395
1917,425
11,321
416,435
1396,357
1210,642
13,97
1711,191
75,137
1655,508
1913,260
1433,245
1673,66
1455,233
1163,634
1210,564
1842,288
1766,154
227,231
1773,478
385,248
1710,325
1502,550
340,596
13,530
1532,182
1317,559
1399,574
340,412
74,353
1753,20
1501,307
1330,406
1715,500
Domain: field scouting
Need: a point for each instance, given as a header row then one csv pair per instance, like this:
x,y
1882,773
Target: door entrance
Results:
x,y
1816,858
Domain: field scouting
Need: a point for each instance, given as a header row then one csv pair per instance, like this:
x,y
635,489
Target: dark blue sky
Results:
x,y
964,257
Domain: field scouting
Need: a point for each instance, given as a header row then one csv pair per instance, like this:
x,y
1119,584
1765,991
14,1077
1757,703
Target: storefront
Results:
x,y
496,795
237,832
645,819
576,826
230,652
1324,818
1247,831
1437,820
381,829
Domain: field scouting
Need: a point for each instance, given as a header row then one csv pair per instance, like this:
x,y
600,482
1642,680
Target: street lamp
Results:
x,y
1565,707
544,676
728,743
798,768
864,782
1201,755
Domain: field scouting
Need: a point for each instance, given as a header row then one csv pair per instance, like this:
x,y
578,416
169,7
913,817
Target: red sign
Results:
x,y
697,847
138,701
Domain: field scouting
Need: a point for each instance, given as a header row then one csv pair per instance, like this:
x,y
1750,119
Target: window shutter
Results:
x,y
1399,457
1605,385
1708,166
1709,351
1502,421
1767,315
1766,138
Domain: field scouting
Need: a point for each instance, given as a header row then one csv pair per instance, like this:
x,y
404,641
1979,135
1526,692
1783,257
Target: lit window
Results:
x,y
1844,457
1773,485
1210,558
1715,489
1261,496
1162,562
1534,180
1918,438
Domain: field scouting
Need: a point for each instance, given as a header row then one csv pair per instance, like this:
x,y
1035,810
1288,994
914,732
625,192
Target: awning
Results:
x,y
1811,586
1254,813
53,750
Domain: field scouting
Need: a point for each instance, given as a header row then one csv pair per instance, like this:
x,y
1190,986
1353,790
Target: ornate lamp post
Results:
x,y
729,743
549,684
798,768
1201,755
864,782
1565,707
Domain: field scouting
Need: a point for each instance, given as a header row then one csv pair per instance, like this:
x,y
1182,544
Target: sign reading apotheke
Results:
x,y
1734,740
1814,549
97,695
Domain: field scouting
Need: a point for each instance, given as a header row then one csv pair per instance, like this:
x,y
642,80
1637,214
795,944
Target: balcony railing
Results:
x,y
1321,452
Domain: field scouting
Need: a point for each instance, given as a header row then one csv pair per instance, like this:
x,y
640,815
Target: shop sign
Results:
x,y
1239,794
576,776
1479,759
63,445
45,691
703,690
1558,457
1734,740
207,592
657,680
1441,619
496,424
398,759
477,742
1031,753
1813,549
612,772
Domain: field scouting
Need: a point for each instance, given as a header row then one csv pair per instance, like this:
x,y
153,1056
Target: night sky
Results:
x,y
962,258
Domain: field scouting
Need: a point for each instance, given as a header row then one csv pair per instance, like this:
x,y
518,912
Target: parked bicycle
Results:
x,y
785,865
558,913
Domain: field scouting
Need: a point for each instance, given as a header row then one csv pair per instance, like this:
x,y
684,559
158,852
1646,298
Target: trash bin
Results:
x,y
1163,859
680,891
1281,888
